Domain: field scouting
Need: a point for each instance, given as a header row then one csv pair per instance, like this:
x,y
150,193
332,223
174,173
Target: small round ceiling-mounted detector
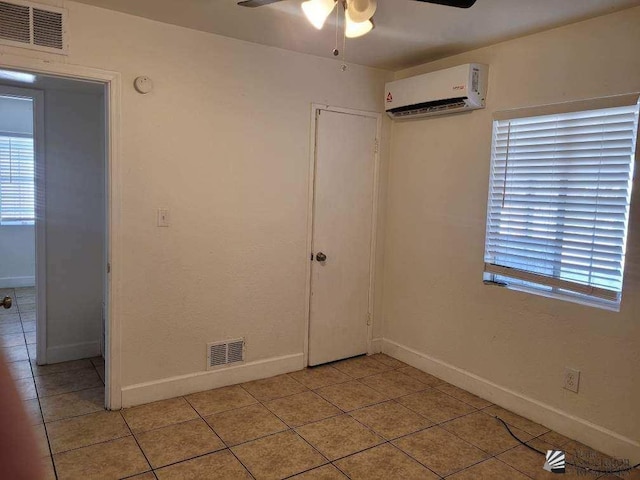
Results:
x,y
143,85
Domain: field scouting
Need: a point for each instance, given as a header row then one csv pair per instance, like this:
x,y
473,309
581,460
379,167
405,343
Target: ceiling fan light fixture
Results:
x,y
361,10
357,29
317,11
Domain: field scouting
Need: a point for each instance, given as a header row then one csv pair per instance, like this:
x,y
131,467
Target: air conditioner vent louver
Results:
x,y
15,23
430,109
225,353
218,355
47,29
236,352
29,25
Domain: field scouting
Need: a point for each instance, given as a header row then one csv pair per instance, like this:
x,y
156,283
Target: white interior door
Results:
x,y
342,231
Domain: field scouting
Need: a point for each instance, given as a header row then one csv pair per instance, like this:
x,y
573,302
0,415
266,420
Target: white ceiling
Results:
x,y
407,32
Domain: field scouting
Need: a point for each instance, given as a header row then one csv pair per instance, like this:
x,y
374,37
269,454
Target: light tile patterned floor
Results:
x,y
364,418
54,393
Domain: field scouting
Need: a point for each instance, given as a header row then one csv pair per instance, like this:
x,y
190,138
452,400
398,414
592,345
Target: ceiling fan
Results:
x,y
358,13
449,3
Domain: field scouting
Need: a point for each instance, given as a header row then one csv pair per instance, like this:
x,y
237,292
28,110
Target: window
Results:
x,y
559,196
17,193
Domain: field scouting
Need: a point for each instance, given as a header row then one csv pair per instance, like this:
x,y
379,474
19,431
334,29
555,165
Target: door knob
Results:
x,y
6,302
321,257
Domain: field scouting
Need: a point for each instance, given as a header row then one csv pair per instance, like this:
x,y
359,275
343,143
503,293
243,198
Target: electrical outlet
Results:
x,y
571,379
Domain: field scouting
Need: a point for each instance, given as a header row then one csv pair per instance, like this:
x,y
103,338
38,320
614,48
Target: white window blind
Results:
x,y
17,193
559,196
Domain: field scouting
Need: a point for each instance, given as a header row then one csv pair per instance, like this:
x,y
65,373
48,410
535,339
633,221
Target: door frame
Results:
x,y
112,81
315,108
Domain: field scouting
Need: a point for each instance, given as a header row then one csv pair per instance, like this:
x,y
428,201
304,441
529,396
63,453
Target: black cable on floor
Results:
x,y
628,469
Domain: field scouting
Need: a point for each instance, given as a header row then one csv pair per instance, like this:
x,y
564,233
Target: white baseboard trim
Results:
x,y
76,351
596,436
376,345
201,381
12,282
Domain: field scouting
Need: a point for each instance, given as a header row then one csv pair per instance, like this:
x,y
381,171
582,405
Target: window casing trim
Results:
x,y
540,284
625,100
553,282
554,293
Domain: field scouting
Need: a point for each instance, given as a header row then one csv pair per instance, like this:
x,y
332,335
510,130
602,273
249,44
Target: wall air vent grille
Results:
x,y
29,25
14,23
48,29
225,353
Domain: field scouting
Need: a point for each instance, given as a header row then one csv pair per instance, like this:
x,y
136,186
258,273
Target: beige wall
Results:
x,y
223,143
434,298
18,246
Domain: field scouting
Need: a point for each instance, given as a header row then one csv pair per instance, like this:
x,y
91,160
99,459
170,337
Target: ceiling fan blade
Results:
x,y
451,3
256,3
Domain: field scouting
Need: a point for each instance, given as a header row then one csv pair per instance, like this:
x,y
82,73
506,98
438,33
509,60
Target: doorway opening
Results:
x,y
53,226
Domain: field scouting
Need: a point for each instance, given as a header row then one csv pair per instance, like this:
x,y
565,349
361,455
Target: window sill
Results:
x,y
29,223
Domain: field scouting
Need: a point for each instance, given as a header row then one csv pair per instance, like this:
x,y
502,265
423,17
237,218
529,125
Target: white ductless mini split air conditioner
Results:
x,y
454,90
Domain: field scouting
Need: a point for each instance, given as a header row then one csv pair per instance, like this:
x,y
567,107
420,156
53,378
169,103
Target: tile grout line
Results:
x,y
242,385
436,424
73,416
64,371
292,429
44,424
429,387
511,466
387,441
340,470
137,443
195,457
101,442
216,434
130,477
289,428
489,457
98,373
416,460
348,414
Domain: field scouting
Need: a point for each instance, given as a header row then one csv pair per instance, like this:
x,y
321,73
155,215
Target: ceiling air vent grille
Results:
x,y
225,353
29,25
